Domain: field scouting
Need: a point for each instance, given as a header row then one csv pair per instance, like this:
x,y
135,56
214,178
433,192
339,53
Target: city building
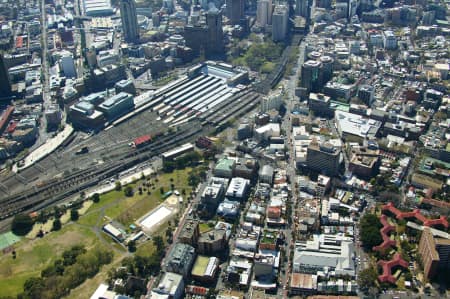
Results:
x,y
302,8
320,104
310,76
246,168
280,22
366,94
264,13
323,157
206,37
212,242
180,259
237,190
389,40
170,286
190,233
5,87
264,265
205,269
239,271
214,43
68,65
225,168
353,127
331,253
213,194
235,11
97,8
364,162
117,105
266,174
435,253
303,284
129,20
228,209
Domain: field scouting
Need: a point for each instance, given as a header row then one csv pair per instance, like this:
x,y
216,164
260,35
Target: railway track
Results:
x,y
40,197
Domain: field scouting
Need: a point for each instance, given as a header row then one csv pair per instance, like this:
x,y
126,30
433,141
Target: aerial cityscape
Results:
x,y
235,149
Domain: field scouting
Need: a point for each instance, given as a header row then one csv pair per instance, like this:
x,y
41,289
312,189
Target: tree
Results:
x,y
370,231
22,224
367,278
33,287
74,215
159,244
161,190
118,186
95,197
132,246
169,233
128,191
56,224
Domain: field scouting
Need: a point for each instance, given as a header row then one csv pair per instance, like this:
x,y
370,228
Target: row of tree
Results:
x,y
187,160
370,231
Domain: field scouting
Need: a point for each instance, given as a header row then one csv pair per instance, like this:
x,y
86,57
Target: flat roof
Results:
x,y
356,125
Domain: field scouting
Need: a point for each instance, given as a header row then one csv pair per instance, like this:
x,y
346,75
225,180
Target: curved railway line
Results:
x,y
56,190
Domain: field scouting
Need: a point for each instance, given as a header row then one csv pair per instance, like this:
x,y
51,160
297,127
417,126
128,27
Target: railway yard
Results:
x,y
191,106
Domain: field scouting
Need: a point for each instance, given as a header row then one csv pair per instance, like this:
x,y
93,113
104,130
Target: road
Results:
x,y
290,167
43,135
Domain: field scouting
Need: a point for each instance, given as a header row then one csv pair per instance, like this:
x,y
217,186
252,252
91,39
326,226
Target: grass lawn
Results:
x,y
204,227
128,209
91,218
35,255
200,265
146,249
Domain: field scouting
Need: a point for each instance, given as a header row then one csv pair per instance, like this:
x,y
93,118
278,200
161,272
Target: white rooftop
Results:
x,y
353,124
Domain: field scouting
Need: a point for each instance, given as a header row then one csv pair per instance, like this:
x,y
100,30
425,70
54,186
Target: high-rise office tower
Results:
x,y
214,43
129,20
235,11
323,158
302,8
5,83
264,12
280,23
311,75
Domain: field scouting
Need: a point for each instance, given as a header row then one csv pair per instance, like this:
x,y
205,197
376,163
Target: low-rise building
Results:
x,y
228,209
238,188
225,167
303,284
332,253
266,174
353,127
170,286
246,168
212,242
189,233
180,259
117,105
205,269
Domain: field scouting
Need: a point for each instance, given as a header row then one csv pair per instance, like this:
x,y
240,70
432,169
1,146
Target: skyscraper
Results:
x,y
5,83
129,20
280,23
302,8
264,12
323,158
214,43
311,79
235,11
